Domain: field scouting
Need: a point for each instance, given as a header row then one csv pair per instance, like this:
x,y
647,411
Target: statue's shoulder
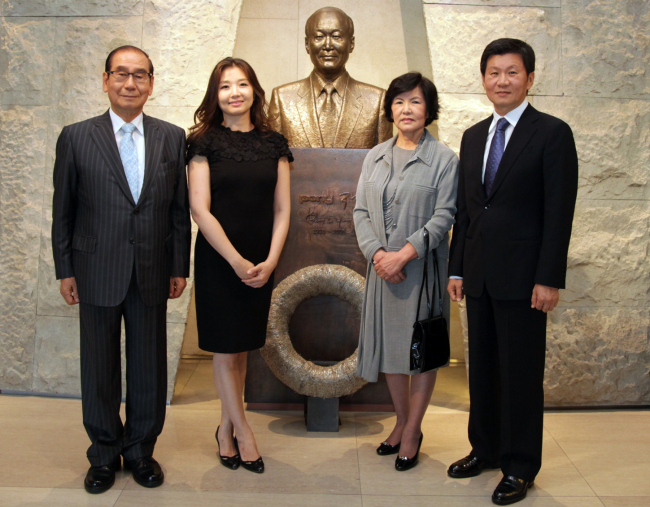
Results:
x,y
299,87
366,88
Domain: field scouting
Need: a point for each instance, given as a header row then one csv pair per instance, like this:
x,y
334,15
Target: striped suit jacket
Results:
x,y
99,233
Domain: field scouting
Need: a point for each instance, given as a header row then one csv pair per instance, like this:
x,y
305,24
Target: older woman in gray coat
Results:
x,y
407,185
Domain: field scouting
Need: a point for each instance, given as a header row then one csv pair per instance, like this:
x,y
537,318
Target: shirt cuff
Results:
x,y
456,277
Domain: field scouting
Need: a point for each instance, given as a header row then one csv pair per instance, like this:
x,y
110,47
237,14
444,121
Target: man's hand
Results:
x,y
69,290
455,289
177,285
544,298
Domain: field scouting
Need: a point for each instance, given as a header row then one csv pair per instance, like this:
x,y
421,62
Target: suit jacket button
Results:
x,y
136,211
132,241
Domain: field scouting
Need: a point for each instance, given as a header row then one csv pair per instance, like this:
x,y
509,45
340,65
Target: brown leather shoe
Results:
x,y
511,489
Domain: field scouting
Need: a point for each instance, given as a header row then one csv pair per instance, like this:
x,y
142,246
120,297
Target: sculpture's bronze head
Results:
x,y
329,40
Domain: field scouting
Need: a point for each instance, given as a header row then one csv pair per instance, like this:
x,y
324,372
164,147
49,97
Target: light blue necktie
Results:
x,y
129,156
494,156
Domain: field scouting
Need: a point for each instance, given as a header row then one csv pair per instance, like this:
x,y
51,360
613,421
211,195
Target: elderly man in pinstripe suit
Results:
x,y
121,243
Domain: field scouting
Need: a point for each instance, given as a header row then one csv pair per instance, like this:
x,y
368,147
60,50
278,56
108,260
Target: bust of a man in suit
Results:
x,y
329,109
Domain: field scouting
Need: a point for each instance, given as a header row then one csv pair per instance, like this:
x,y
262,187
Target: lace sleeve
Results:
x,y
282,146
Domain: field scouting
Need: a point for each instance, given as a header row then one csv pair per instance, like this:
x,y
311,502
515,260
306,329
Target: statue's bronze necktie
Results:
x,y
328,116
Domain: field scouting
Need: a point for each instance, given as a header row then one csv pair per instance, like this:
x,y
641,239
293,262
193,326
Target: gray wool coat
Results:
x,y
426,198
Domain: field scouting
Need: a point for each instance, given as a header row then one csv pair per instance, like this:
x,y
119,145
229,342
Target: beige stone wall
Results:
x,y
51,60
592,61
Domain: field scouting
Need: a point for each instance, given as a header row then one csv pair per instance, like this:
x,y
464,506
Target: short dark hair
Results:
x,y
406,83
107,65
346,18
507,46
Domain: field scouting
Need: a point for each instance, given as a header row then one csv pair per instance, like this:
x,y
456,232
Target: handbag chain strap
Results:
x,y
425,279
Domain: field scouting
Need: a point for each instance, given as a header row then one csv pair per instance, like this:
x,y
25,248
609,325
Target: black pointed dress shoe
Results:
x,y
469,466
101,478
511,489
146,471
385,449
256,466
402,463
231,462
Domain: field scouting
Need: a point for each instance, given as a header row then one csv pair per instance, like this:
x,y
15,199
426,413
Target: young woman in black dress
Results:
x,y
239,196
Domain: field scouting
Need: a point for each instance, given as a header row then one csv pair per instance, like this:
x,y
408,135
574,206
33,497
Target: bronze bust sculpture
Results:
x,y
329,109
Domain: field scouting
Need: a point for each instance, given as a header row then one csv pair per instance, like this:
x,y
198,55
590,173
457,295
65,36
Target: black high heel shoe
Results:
x,y
385,449
402,463
231,462
256,466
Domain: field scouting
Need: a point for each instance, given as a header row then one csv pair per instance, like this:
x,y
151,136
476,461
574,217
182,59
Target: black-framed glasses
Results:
x,y
139,77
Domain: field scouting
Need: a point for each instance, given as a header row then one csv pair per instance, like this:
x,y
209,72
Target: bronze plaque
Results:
x,y
323,196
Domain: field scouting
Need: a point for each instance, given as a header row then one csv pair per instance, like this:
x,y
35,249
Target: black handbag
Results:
x,y
430,342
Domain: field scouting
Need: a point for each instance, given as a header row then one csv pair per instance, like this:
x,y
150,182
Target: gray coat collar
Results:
x,y
424,151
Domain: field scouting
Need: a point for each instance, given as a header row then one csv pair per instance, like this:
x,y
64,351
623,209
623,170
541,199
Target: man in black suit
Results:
x,y
121,242
518,179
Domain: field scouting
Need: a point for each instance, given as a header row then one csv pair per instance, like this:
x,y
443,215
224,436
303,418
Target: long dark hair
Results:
x,y
209,114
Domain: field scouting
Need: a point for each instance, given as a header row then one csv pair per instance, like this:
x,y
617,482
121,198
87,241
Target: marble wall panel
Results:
x,y
379,54
494,3
598,356
608,256
613,142
263,9
185,41
56,355
22,151
606,48
72,7
81,50
175,332
269,46
458,112
26,73
458,36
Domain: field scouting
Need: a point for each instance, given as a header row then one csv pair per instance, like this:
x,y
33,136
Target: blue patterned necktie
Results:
x,y
494,156
129,156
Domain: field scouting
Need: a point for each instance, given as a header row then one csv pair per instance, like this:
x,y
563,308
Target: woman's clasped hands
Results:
x,y
389,265
253,275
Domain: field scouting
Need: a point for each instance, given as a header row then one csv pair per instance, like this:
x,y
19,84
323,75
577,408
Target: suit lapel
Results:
x,y
351,110
307,112
475,168
153,148
104,138
521,135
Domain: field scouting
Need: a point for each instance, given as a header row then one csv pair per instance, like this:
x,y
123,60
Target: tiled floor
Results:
x,y
595,458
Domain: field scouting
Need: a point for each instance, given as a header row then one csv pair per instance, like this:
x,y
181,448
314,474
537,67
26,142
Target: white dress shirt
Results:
x,y
512,117
138,138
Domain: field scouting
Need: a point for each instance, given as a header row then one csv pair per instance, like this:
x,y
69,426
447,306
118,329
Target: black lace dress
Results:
x,y
231,316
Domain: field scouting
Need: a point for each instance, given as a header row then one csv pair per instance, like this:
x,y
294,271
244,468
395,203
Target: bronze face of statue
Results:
x,y
329,109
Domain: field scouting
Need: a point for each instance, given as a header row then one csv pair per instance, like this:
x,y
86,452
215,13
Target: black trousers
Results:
x,y
507,353
146,377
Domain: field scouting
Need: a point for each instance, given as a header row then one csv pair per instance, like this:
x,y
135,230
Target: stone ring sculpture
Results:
x,y
301,375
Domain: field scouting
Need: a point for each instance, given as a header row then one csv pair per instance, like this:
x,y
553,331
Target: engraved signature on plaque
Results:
x,y
329,212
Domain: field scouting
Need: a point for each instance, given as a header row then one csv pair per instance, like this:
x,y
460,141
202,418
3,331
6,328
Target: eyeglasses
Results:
x,y
138,77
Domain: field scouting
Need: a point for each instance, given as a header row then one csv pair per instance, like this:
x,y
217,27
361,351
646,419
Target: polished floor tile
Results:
x,y
609,448
626,501
473,501
162,498
55,497
591,458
